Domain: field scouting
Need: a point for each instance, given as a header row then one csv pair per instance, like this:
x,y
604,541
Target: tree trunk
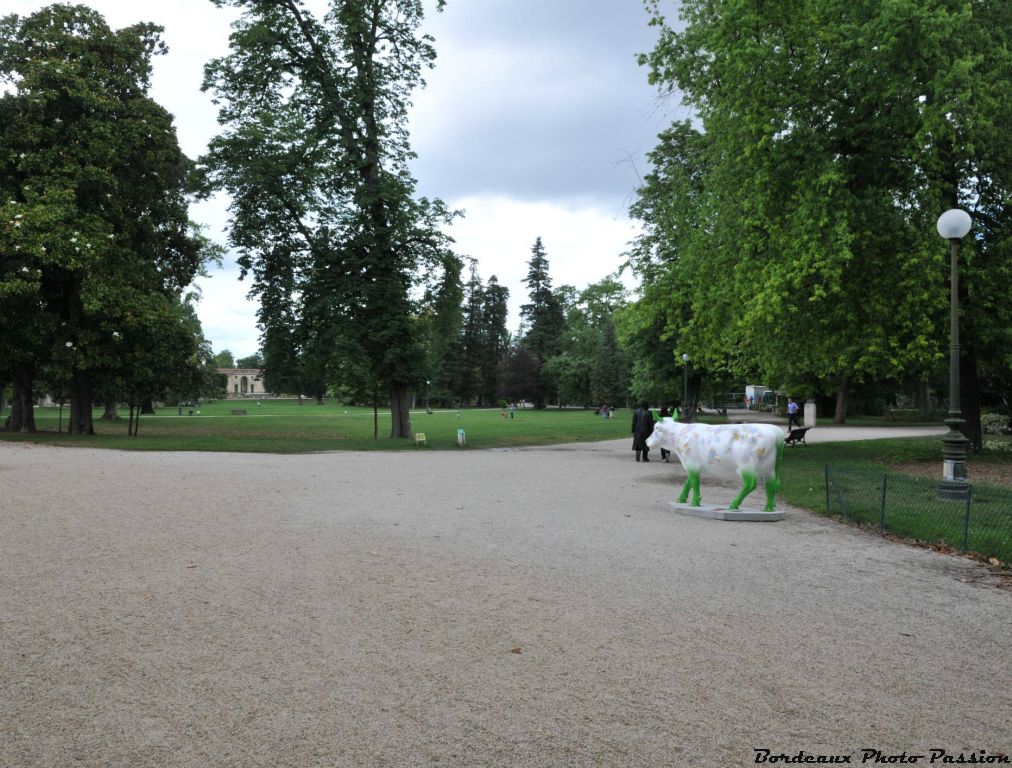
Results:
x,y
22,415
110,411
400,411
969,403
691,407
923,400
80,405
840,416
147,406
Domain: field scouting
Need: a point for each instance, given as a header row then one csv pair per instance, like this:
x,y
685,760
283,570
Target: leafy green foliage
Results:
x,y
225,359
441,318
95,243
590,367
518,376
608,381
256,360
793,229
314,152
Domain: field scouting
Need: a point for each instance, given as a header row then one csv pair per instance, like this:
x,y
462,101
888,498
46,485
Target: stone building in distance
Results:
x,y
243,382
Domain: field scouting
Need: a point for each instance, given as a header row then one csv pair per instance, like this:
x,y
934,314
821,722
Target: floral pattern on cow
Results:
x,y
748,451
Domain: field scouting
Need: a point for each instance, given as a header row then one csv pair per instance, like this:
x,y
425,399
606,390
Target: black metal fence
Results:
x,y
909,506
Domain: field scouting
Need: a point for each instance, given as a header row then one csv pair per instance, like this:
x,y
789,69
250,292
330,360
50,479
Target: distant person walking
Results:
x,y
792,413
642,427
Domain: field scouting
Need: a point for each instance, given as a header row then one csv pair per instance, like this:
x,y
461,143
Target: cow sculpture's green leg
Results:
x,y
692,482
749,482
773,483
772,486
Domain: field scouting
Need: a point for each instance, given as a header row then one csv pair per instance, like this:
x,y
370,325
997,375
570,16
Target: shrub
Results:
x,y
995,424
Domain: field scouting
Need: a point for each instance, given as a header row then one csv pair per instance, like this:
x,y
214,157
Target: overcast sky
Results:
x,y
535,122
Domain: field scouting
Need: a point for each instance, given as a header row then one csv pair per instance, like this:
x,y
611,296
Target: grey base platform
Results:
x,y
723,513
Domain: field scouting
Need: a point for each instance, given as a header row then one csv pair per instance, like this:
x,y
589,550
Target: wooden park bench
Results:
x,y
796,435
238,411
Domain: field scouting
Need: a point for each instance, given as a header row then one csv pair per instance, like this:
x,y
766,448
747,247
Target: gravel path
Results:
x,y
538,607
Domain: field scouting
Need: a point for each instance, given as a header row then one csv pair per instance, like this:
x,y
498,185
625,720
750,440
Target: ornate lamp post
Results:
x,y
685,385
953,225
427,409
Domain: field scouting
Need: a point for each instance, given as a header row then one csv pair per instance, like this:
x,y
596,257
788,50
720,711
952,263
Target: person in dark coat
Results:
x,y
642,426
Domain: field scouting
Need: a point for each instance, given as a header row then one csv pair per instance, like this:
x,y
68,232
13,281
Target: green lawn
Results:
x,y
867,490
805,466
285,426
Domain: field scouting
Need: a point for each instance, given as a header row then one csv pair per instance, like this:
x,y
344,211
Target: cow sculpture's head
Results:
x,y
664,434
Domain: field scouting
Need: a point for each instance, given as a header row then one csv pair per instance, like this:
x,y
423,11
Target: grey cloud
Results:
x,y
537,100
583,22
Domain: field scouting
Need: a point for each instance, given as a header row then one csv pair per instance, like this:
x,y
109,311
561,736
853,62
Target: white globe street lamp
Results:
x,y
954,225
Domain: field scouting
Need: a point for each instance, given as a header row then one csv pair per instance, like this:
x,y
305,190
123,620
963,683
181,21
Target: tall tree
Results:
x,y
543,316
518,376
800,238
608,379
314,153
466,359
161,355
495,338
96,187
963,155
589,367
442,317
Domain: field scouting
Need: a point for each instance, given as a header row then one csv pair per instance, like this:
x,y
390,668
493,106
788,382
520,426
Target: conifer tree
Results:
x,y
543,316
495,338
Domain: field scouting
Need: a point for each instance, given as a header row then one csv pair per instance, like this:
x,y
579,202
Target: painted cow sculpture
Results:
x,y
749,451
